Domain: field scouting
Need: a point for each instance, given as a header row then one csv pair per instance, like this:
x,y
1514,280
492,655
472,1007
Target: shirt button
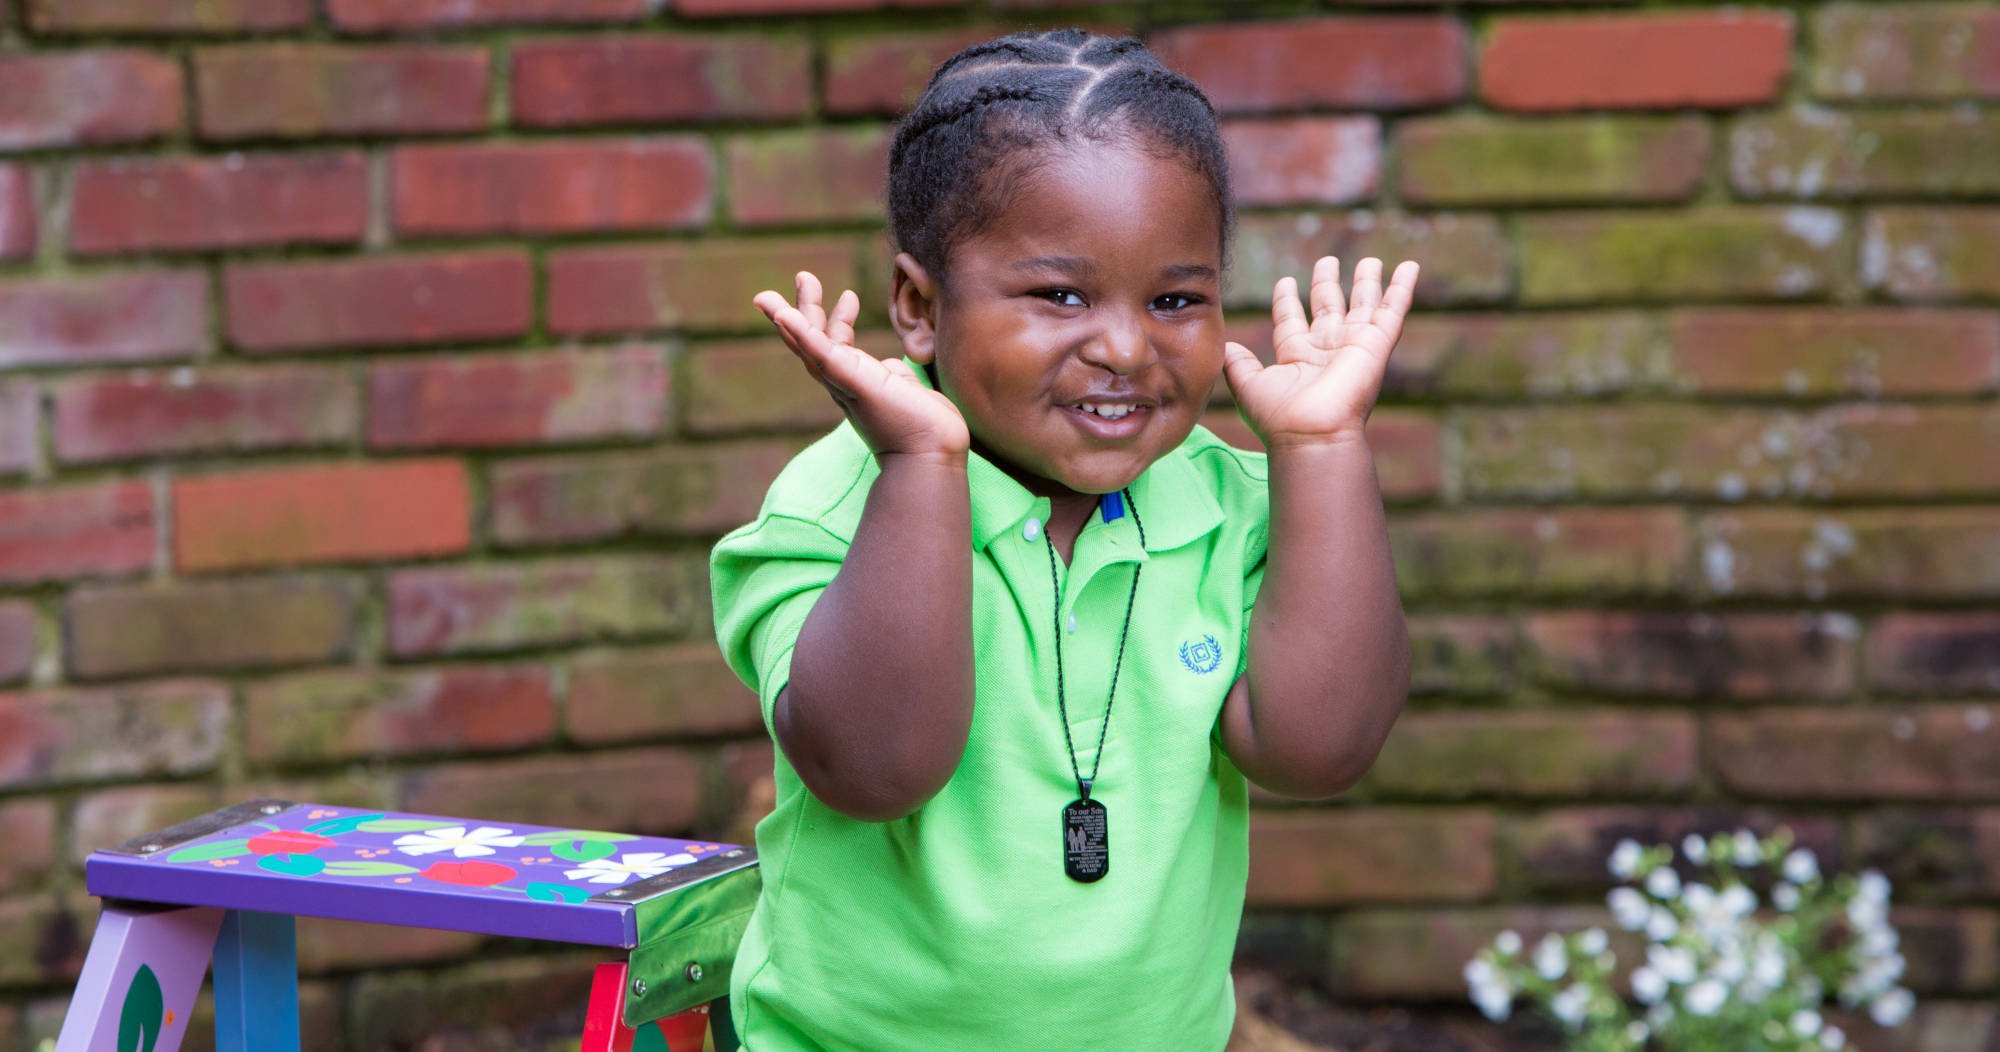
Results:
x,y
1072,622
1033,530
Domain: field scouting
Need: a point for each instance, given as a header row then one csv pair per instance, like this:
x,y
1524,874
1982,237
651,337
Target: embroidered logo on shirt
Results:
x,y
1204,656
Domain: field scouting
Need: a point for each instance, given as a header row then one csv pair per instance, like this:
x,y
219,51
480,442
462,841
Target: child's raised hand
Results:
x,y
1328,372
891,409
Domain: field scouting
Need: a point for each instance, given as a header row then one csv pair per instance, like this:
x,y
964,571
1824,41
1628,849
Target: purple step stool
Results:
x,y
226,886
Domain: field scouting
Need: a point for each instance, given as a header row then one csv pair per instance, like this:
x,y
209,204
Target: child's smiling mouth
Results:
x,y
1108,419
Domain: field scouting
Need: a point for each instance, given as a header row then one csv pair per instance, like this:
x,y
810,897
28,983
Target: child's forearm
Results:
x,y
1329,651
879,703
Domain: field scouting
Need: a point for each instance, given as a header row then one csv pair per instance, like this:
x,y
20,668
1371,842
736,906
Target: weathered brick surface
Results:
x,y
1948,853
321,513
115,416
351,946
117,317
1825,154
1935,653
18,225
598,788
513,399
295,90
248,623
18,642
90,529
1916,554
1655,60
42,940
1466,654
1940,751
544,603
376,301
241,201
1929,254
1563,850
87,98
1251,67
684,285
375,16
884,73
1819,353
1421,953
701,490
683,691
1526,552
322,717
532,1002
1304,160
849,167
1906,52
1468,357
610,80
1698,656
1407,448
1447,161
738,8
106,818
1708,254
552,187
20,437
736,386
1340,856
29,827
1466,258
1567,753
59,737
165,16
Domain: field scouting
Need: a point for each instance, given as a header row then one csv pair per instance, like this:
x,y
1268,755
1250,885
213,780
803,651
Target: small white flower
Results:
x,y
1660,1015
1480,971
1648,985
1663,883
458,841
1705,997
1802,866
1629,909
1508,942
1637,1032
1747,850
1785,897
1569,1005
1892,1008
1805,1022
1550,958
1674,963
1832,1039
1625,859
1494,1003
1738,901
1661,925
638,864
1592,942
1873,886
1695,848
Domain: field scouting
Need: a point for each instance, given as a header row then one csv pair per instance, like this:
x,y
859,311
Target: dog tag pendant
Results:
x,y
1086,842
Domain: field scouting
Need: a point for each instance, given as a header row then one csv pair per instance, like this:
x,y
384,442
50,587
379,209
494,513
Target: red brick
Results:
x,y
742,8
1922,255
359,714
1925,653
1465,654
700,490
1933,852
678,692
683,285
325,513
234,202
20,422
506,606
1702,254
109,817
1906,52
1902,753
1466,258
347,946
1701,656
296,90
57,737
133,316
1461,160
1551,753
376,16
626,80
375,301
553,187
490,1004
227,409
245,623
517,399
167,16
1575,551
737,386
597,790
87,98
1339,856
28,828
1475,357
17,640
91,529
849,166
1304,160
1408,448
1654,60
1822,353
1949,951
1565,850
885,73
42,940
1386,62
17,213
1816,153
1420,954
1917,553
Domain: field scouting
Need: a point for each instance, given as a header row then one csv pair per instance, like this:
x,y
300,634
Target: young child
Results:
x,y
1020,629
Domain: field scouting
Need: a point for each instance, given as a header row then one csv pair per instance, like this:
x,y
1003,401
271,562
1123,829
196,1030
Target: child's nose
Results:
x,y
1121,344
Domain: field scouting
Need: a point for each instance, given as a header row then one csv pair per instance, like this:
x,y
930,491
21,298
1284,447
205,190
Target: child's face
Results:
x,y
1099,284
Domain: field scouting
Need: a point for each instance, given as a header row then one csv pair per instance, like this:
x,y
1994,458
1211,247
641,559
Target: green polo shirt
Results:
x,y
955,927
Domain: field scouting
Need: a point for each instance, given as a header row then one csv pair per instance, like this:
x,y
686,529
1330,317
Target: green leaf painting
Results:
x,y
144,1012
205,852
367,869
293,865
542,891
584,850
402,825
563,836
337,826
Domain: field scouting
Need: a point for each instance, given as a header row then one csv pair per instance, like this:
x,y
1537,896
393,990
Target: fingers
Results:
x,y
840,325
1396,301
1326,298
1367,289
809,299
1288,319
1239,364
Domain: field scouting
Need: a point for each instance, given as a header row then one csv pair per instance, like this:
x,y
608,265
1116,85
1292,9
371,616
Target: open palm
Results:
x,y
1327,372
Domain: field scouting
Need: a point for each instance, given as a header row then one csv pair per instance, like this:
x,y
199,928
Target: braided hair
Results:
x,y
962,149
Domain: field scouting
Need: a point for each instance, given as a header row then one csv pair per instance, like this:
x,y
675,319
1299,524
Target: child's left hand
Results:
x,y
1328,373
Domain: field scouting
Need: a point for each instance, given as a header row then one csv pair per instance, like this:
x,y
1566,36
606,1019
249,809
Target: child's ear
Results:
x,y
913,308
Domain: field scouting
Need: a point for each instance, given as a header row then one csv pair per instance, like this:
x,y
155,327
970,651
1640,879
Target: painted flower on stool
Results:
x,y
638,864
458,841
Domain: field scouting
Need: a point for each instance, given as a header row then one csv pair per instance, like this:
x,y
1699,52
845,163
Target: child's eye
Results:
x,y
1174,301
1062,297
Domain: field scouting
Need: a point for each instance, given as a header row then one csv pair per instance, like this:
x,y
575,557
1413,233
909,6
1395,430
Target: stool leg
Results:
x,y
722,1026
604,1028
257,983
140,978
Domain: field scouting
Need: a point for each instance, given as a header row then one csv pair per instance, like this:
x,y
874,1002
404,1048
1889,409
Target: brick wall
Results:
x,y
377,373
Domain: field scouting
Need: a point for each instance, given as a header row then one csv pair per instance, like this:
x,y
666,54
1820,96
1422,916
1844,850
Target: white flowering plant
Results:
x,y
1718,975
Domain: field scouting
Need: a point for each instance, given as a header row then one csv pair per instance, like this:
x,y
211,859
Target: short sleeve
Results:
x,y
766,577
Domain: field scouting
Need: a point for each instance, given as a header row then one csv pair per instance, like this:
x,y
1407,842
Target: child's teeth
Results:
x,y
1109,412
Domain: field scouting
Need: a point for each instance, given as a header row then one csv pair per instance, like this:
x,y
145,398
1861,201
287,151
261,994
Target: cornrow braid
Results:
x,y
957,153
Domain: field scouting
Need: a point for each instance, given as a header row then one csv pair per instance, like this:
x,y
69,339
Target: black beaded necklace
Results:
x,y
1086,834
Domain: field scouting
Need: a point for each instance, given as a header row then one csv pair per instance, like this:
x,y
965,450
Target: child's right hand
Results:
x,y
891,409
